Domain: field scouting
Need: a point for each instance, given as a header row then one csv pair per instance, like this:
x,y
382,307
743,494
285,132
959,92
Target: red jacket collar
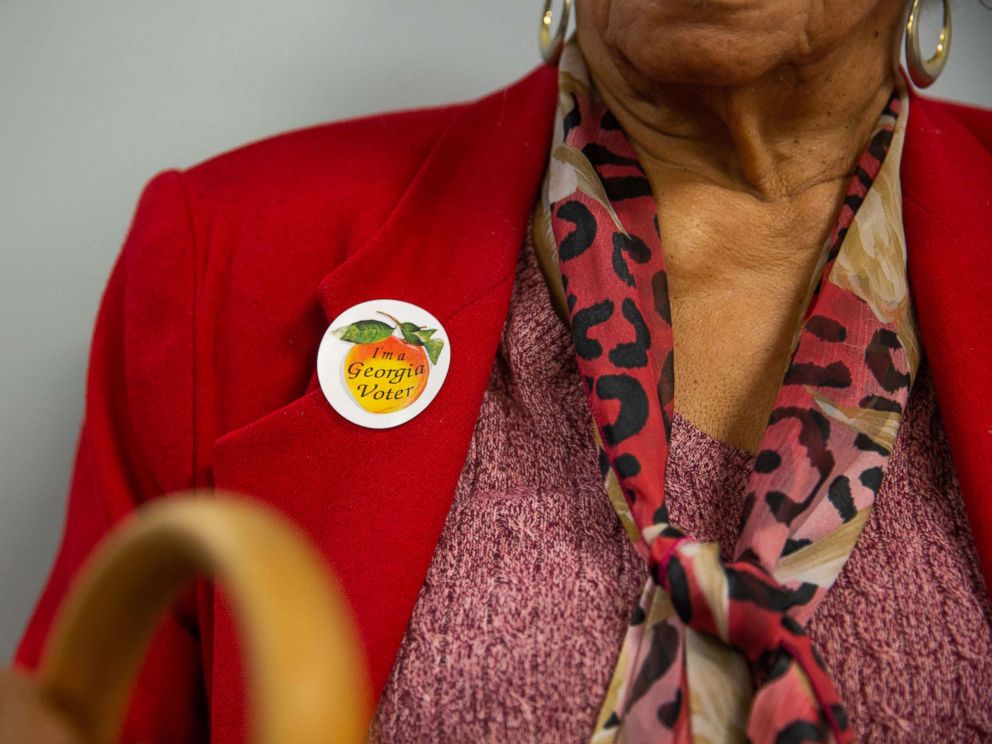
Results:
x,y
947,203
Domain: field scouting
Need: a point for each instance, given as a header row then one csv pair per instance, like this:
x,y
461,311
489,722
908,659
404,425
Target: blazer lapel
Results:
x,y
375,500
947,197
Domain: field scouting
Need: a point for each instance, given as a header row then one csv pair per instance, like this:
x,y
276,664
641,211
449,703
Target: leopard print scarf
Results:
x,y
716,649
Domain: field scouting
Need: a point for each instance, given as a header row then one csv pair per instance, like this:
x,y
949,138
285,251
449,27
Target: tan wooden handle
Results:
x,y
306,680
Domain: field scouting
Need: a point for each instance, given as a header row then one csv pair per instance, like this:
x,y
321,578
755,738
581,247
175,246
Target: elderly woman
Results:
x,y
711,461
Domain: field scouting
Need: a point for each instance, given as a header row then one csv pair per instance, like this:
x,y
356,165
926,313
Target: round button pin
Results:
x,y
381,362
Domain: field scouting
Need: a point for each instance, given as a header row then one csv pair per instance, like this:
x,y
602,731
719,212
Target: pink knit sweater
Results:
x,y
518,624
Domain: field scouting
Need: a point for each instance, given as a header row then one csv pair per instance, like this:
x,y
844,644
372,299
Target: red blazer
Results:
x,y
202,368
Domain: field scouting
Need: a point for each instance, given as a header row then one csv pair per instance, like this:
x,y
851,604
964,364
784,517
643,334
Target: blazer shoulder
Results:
x,y
942,115
360,157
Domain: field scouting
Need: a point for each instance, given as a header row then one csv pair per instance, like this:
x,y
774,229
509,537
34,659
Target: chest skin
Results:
x,y
739,272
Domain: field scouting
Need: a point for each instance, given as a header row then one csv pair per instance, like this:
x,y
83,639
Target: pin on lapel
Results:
x,y
381,362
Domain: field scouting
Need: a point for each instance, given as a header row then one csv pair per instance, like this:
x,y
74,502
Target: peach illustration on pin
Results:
x,y
386,372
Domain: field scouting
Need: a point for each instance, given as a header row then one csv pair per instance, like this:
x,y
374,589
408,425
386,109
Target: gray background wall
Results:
x,y
95,97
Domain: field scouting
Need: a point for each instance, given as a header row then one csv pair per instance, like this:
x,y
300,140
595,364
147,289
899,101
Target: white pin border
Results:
x,y
332,352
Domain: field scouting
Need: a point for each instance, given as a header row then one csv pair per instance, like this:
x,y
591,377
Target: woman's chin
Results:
x,y
702,57
718,42
722,68
708,8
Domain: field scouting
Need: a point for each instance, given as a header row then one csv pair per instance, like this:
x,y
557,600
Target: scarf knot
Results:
x,y
743,606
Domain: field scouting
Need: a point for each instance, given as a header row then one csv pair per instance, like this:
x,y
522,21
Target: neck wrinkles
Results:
x,y
775,137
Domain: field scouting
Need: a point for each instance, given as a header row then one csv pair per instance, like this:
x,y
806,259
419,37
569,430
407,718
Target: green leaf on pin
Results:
x,y
434,346
364,332
373,331
410,333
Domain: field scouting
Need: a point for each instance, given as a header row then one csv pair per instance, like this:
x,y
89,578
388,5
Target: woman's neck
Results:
x,y
773,137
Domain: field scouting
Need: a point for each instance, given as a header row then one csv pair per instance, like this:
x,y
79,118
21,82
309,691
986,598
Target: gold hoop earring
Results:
x,y
924,72
553,43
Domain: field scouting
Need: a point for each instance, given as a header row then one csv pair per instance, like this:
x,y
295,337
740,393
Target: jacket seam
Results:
x,y
194,323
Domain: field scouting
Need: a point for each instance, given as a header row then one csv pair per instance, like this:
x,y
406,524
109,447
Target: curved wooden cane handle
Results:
x,y
306,680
